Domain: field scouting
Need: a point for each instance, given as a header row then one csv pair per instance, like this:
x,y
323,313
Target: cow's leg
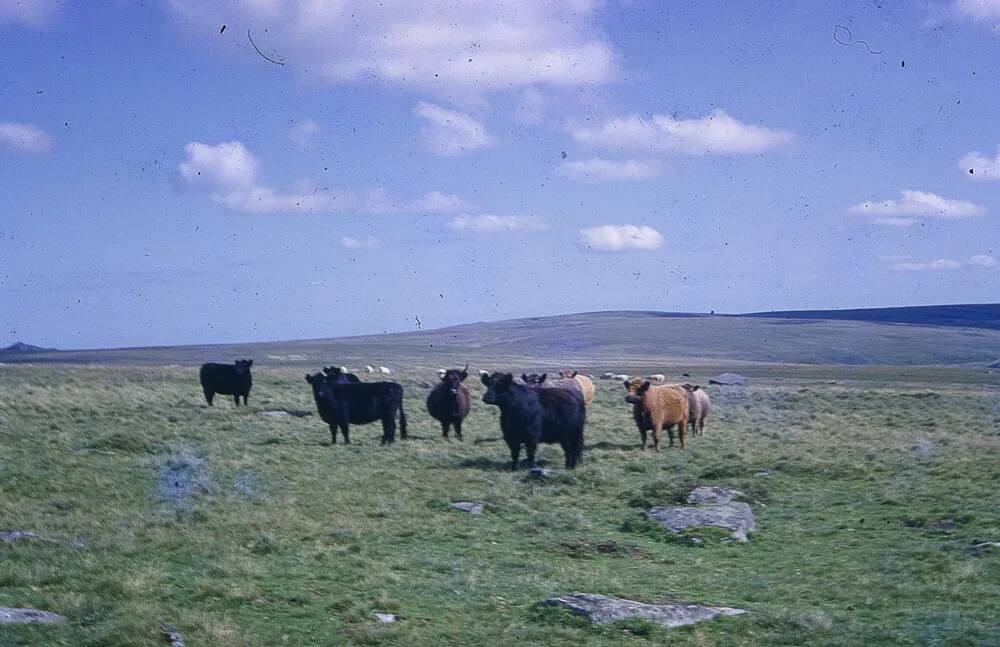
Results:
x,y
670,432
209,394
444,428
237,399
642,432
333,433
656,437
346,431
245,399
680,431
529,449
569,453
458,428
515,455
389,429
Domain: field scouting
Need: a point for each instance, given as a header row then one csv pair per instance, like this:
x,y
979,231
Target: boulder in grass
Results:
x,y
734,516
713,495
601,609
471,507
16,616
728,379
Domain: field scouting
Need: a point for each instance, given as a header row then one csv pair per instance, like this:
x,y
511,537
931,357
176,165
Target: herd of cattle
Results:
x,y
533,408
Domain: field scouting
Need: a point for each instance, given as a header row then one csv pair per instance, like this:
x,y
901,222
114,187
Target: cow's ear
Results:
x,y
249,362
625,384
695,387
524,377
573,374
541,378
465,374
484,378
643,387
309,378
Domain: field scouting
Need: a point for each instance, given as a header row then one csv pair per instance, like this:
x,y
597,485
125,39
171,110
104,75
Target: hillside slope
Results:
x,y
973,315
601,339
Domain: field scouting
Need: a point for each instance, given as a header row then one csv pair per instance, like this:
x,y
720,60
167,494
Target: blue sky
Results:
x,y
163,183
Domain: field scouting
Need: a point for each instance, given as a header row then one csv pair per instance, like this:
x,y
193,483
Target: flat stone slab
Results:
x,y
385,618
713,494
602,609
284,413
15,616
273,414
10,536
735,516
469,506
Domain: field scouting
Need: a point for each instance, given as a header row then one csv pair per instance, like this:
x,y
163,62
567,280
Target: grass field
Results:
x,y
881,484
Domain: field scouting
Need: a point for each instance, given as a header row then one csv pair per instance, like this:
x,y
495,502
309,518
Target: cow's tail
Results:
x,y
402,418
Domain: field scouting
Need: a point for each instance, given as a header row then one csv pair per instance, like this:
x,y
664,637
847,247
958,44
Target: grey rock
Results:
x,y
713,494
172,635
728,379
273,414
987,544
10,536
469,506
15,616
764,473
540,472
734,516
602,609
385,618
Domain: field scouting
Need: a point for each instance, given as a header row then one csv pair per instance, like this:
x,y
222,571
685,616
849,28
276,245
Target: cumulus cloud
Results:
x,y
492,223
24,137
302,133
439,44
450,133
911,204
981,10
438,202
598,169
980,167
979,260
359,243
32,13
717,133
230,174
619,238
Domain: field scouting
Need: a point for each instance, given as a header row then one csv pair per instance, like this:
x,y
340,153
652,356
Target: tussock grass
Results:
x,y
878,490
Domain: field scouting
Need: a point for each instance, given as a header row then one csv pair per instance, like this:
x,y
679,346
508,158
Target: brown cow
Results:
x,y
656,408
586,384
698,406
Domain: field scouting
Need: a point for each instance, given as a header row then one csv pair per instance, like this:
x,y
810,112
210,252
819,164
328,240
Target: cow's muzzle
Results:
x,y
632,399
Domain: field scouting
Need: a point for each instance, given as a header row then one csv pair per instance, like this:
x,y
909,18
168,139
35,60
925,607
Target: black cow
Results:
x,y
340,377
530,415
449,401
343,403
227,379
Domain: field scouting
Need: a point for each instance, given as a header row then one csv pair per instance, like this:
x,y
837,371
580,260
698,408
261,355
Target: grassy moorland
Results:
x,y
882,481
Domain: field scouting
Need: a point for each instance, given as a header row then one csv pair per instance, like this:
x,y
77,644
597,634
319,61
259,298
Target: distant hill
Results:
x,y
21,347
598,339
977,315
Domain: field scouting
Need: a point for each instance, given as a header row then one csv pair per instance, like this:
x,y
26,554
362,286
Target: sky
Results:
x,y
212,171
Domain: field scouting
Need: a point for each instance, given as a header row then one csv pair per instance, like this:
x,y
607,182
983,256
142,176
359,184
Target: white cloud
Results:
x,y
982,10
439,44
302,133
24,137
438,202
359,243
491,223
230,174
979,260
224,166
618,238
717,133
981,167
911,204
598,169
32,13
451,133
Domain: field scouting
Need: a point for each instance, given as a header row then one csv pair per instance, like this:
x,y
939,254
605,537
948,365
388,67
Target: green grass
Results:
x,y
864,530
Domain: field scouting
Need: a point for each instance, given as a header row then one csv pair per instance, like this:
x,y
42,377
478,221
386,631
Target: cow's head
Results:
x,y
692,387
567,373
497,387
635,389
242,366
533,378
453,377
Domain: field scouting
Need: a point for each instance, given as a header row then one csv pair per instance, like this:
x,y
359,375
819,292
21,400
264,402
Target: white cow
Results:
x,y
369,368
657,377
608,376
482,372
383,370
621,377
